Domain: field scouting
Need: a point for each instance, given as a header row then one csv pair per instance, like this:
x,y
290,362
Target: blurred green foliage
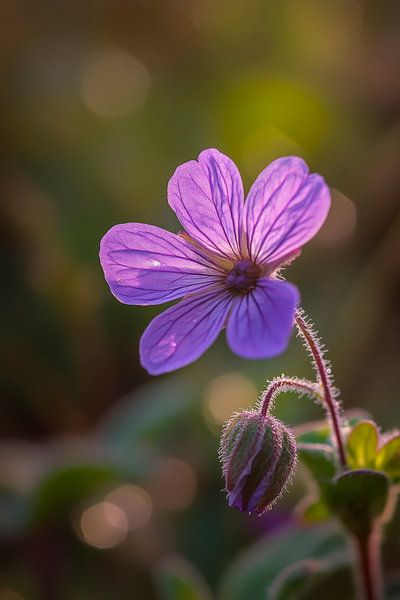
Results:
x,y
257,570
100,103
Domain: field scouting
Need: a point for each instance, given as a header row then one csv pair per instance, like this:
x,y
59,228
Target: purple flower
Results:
x,y
224,265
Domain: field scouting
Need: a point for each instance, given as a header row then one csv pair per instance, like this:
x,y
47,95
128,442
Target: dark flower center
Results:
x,y
243,276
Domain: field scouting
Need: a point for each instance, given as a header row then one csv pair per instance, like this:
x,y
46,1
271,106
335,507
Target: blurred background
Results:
x,y
110,481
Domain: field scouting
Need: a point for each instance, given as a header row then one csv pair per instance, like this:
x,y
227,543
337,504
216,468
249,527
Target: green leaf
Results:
x,y
253,573
294,579
62,489
358,498
313,433
176,579
318,432
313,510
362,444
320,460
388,458
302,579
335,581
141,417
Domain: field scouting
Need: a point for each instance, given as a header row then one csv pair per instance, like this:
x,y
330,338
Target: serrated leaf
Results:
x,y
176,579
252,574
359,498
388,458
362,444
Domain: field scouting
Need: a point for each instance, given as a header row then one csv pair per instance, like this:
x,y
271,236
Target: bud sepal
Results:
x,y
259,458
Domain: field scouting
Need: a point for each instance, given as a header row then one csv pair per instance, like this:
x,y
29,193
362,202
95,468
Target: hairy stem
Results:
x,y
323,372
289,384
369,565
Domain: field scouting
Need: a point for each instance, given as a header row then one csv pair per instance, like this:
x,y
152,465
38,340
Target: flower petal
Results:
x,y
207,197
144,265
285,208
261,322
184,332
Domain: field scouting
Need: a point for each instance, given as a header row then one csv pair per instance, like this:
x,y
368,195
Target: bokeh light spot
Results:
x,y
341,221
114,83
135,503
227,394
104,525
173,484
264,145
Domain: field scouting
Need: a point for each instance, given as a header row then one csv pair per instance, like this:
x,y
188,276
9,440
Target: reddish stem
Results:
x,y
325,380
286,384
370,573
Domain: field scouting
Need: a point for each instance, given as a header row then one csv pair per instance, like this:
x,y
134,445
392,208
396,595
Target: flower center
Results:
x,y
243,276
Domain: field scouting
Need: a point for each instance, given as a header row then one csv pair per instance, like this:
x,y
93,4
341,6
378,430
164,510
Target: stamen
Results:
x,y
243,277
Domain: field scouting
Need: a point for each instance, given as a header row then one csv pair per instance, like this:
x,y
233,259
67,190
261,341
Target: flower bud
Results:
x,y
259,457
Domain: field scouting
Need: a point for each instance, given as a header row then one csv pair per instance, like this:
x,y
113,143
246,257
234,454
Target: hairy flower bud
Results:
x,y
259,457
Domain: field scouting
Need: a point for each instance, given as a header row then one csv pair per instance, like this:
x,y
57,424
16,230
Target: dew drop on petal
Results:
x,y
164,349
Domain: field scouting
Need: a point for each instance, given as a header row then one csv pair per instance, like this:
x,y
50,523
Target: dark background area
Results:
x,y
104,471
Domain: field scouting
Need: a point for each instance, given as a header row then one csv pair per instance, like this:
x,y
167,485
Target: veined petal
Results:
x,y
285,208
207,197
184,332
261,322
144,265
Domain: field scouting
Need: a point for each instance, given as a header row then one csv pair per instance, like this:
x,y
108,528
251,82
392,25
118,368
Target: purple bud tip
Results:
x,y
259,458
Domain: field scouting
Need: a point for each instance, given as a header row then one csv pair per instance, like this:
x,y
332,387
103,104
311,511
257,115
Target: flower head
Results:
x,y
259,458
224,265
